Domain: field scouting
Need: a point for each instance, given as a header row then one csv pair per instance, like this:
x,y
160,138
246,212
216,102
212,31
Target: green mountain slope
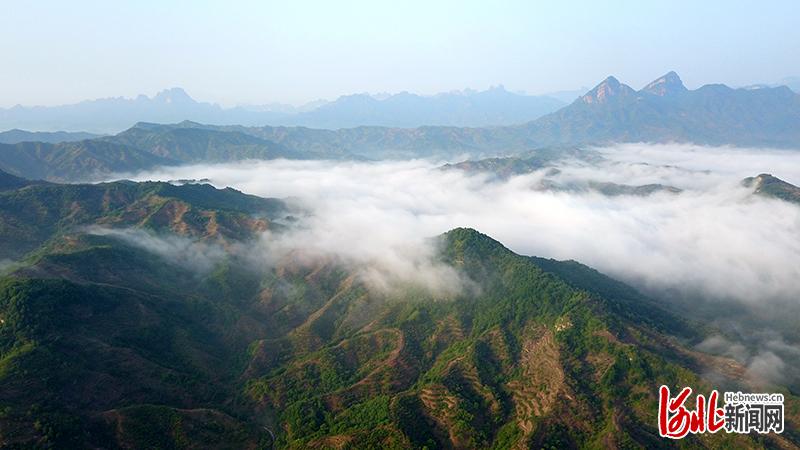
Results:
x,y
192,144
34,214
142,147
68,161
8,181
105,342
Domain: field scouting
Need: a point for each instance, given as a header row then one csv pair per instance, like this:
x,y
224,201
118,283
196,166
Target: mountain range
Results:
x,y
133,316
612,112
16,136
663,111
143,146
495,106
792,83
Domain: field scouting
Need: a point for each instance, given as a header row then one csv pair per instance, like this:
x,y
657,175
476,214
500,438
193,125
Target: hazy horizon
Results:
x,y
375,94
310,103
262,53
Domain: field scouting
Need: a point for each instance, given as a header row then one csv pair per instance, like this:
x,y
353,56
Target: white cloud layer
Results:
x,y
195,255
714,239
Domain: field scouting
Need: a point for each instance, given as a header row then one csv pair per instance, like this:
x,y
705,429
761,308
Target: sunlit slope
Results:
x,y
105,342
36,212
531,360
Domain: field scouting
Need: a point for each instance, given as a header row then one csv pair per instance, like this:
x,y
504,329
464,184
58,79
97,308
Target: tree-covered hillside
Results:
x,y
106,342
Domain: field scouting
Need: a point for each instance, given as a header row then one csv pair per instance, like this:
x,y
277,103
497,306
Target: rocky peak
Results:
x,y
605,91
175,95
668,84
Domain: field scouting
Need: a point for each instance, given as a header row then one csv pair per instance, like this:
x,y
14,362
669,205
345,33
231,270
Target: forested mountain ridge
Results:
x,y
16,136
136,345
663,111
33,213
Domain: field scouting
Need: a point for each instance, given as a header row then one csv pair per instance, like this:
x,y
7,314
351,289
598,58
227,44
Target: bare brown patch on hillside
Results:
x,y
542,380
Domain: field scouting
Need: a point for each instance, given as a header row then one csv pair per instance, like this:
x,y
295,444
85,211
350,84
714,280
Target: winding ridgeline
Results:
x,y
663,111
108,342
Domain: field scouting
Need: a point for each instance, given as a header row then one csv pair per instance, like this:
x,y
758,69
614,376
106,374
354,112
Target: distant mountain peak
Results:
x,y
668,84
771,186
174,95
145,126
759,181
189,124
609,88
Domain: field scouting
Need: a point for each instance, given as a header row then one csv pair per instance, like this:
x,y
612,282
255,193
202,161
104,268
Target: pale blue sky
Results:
x,y
56,51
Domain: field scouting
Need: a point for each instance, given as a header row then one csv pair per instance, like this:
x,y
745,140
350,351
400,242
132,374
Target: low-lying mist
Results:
x,y
714,240
200,257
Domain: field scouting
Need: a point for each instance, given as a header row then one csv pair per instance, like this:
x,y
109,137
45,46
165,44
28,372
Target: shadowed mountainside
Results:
x,y
770,186
16,136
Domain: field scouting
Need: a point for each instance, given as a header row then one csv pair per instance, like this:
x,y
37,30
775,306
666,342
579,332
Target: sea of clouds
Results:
x,y
715,241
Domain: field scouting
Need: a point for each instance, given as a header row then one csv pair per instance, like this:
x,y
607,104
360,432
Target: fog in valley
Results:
x,y
701,236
